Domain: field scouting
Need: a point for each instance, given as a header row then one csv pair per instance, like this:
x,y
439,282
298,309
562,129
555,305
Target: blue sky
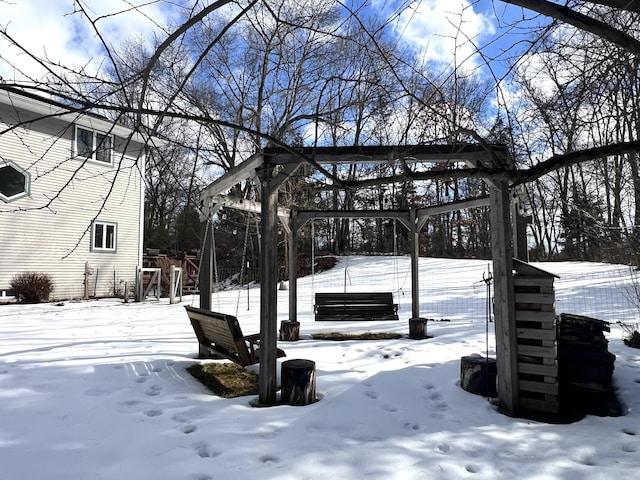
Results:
x,y
493,26
52,29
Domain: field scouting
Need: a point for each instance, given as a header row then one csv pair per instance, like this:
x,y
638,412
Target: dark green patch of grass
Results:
x,y
226,380
339,336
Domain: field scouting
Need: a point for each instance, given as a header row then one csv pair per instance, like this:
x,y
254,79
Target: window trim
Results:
x,y
95,143
102,249
27,181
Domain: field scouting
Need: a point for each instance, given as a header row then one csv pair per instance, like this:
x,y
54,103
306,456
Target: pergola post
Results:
x,y
504,306
206,266
520,237
414,236
520,246
293,265
268,286
270,180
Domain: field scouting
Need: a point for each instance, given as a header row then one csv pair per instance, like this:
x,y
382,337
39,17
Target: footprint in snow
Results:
x,y
628,431
443,448
199,476
410,426
153,412
154,390
629,448
436,397
371,394
269,459
187,429
472,468
441,406
141,379
587,460
180,418
204,450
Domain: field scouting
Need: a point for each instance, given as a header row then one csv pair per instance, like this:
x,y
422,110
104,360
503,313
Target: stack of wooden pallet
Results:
x,y
586,367
536,339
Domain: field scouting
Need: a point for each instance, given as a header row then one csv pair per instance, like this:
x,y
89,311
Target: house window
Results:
x,y
103,237
14,182
93,145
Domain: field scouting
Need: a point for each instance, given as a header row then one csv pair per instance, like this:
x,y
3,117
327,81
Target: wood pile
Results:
x,y
585,368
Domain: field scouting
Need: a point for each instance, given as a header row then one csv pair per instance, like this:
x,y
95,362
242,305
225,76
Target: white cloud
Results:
x,y
55,30
444,31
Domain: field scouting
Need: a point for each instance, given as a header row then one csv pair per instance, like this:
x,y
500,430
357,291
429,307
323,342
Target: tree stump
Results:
x,y
478,375
289,331
298,378
418,328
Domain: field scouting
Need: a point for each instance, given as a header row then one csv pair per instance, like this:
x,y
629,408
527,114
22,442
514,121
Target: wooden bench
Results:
x,y
355,306
219,335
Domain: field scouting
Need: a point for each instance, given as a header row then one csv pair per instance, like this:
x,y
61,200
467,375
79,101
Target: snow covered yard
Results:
x,y
99,390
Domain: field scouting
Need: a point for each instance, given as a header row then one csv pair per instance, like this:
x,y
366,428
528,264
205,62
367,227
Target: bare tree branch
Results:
x,y
146,73
557,162
581,21
629,5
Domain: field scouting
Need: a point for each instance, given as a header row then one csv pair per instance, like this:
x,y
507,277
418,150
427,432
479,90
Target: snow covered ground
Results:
x,y
98,390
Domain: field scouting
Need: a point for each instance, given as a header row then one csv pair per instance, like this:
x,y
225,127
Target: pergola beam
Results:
x,y
475,202
231,178
244,205
490,156
482,201
305,215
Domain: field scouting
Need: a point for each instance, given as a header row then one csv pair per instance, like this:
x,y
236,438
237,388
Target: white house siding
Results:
x,y
50,230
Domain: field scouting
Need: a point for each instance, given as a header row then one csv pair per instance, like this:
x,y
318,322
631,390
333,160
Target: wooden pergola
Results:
x,y
274,166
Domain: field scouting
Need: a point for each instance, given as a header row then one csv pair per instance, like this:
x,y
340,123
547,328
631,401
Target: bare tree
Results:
x,y
233,77
581,88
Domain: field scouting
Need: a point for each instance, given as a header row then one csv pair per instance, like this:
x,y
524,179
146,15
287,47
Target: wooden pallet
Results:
x,y
536,339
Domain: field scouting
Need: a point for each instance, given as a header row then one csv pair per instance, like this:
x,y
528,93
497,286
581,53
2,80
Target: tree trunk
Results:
x,y
289,331
298,382
478,375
